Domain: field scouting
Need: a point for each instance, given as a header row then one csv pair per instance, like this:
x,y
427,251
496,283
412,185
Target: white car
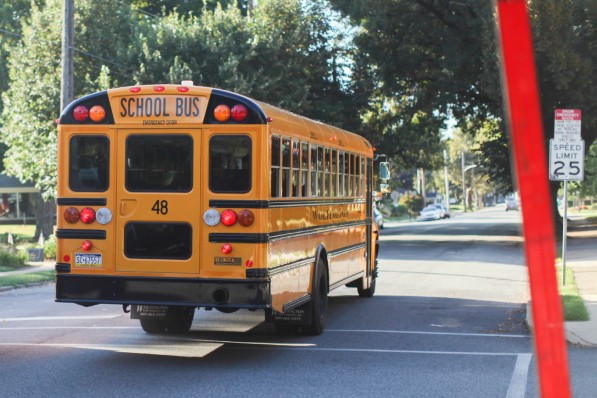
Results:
x,y
378,218
432,212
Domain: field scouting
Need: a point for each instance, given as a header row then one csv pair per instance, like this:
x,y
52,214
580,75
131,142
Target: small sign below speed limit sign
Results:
x,y
566,160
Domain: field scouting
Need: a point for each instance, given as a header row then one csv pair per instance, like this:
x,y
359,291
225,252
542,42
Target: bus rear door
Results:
x,y
158,196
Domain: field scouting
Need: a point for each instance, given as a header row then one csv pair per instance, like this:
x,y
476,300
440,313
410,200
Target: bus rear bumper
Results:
x,y
224,293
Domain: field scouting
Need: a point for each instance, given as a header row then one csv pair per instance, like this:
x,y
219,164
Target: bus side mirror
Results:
x,y
384,171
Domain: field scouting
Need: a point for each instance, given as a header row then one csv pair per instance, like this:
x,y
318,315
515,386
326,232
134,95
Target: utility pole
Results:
x,y
463,184
68,37
446,181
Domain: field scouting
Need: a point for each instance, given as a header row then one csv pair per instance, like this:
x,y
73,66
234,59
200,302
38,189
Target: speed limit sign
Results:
x,y
566,160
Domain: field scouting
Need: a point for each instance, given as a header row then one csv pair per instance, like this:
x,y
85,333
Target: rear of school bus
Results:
x,y
152,181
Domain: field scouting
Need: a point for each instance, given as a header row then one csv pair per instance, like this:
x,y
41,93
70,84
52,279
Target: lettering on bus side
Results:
x,y
159,106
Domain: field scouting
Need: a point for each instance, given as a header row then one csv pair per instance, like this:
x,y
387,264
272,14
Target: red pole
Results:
x,y
524,118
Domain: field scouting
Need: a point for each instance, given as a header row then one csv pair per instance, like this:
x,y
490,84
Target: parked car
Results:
x,y
511,204
445,212
378,218
432,212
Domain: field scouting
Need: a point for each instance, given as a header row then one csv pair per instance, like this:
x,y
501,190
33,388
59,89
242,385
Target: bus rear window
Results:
x,y
158,240
230,163
89,163
159,163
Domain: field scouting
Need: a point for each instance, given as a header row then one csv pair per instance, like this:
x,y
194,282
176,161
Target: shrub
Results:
x,y
50,248
15,260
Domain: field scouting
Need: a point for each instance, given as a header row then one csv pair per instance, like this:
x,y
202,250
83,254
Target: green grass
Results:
x,y
573,304
23,279
22,231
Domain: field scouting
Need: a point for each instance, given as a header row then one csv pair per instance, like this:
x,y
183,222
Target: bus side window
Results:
x,y
304,168
334,173
313,170
341,174
286,156
275,176
295,168
320,171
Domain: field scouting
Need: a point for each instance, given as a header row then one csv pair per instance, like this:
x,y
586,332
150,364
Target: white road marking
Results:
x,y
518,383
428,333
59,318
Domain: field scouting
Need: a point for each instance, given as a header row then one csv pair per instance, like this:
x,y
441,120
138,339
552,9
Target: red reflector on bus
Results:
x,y
66,258
249,264
97,113
222,113
86,245
226,248
182,89
87,215
71,215
159,89
81,113
135,89
228,217
239,113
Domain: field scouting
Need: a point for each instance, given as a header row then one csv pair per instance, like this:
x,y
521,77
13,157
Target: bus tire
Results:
x,y
369,292
153,326
319,302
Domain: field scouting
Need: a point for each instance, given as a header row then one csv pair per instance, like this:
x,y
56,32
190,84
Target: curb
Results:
x,y
571,337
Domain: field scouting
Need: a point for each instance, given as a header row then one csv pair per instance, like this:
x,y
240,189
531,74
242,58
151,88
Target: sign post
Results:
x,y
566,161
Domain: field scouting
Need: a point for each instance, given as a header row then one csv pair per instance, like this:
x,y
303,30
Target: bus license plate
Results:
x,y
88,260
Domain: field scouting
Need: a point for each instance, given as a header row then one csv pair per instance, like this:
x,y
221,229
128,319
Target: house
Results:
x,y
18,201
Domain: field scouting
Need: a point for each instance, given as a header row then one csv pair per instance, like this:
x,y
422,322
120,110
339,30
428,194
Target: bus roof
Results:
x,y
116,102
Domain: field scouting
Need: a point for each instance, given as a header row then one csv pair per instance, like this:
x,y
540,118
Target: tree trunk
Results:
x,y
44,218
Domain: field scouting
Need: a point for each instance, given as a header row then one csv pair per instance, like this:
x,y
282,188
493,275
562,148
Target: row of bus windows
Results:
x,y
301,169
161,163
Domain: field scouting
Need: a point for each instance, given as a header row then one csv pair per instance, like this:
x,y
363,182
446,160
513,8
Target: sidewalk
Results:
x,y
35,267
581,256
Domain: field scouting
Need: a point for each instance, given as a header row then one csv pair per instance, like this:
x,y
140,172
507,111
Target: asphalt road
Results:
x,y
447,320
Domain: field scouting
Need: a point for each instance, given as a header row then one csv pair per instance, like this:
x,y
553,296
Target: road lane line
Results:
x,y
517,336
59,318
518,383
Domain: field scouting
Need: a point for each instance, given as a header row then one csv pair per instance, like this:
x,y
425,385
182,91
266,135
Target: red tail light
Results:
x,y
228,217
86,245
87,215
81,113
226,248
239,113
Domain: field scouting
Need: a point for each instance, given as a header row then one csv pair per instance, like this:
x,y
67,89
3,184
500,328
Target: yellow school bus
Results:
x,y
178,197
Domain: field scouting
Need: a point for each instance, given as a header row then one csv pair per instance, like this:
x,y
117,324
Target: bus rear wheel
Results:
x,y
369,292
319,303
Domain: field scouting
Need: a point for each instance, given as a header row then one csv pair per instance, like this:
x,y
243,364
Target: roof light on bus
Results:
x,y
86,245
239,113
226,248
182,89
222,113
211,217
71,215
135,89
81,113
87,215
159,89
246,218
97,113
228,217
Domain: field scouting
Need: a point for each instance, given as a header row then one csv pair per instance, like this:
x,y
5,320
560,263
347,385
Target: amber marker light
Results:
x,y
222,113
246,218
97,113
71,215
